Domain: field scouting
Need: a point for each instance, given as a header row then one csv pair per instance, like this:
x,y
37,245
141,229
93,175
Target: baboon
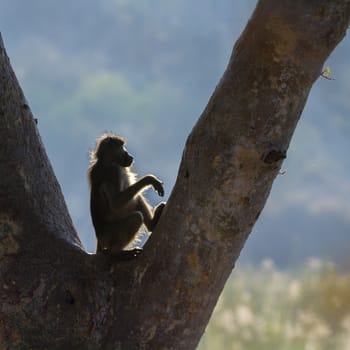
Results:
x,y
117,206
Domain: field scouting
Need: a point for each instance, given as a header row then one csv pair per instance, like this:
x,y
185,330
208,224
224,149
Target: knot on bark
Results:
x,y
274,155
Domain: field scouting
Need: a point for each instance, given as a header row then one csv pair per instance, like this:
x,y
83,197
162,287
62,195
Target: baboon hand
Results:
x,y
158,186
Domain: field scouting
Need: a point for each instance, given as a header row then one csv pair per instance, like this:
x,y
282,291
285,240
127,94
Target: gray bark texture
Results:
x,y
53,295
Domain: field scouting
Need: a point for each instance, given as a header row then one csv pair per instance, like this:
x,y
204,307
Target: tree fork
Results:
x,y
54,294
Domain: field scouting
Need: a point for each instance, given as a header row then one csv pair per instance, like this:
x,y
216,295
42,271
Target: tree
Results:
x,y
54,294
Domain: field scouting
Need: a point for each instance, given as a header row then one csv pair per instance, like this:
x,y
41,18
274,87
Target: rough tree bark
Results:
x,y
55,295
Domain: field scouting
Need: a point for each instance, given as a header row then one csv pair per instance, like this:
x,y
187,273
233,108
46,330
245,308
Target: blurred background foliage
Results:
x,y
265,308
146,70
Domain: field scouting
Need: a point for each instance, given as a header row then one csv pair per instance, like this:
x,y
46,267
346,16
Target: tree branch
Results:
x,y
31,202
229,163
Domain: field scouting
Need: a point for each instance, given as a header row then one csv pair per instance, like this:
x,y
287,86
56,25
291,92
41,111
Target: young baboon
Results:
x,y
118,208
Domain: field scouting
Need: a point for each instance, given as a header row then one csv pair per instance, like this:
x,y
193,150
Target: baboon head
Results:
x,y
110,149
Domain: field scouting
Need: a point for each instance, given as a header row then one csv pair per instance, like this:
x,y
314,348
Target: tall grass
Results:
x,y
266,309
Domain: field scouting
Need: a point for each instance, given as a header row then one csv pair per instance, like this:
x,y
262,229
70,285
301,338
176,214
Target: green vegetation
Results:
x,y
265,308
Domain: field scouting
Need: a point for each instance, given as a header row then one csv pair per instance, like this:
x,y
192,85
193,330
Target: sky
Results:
x,y
146,71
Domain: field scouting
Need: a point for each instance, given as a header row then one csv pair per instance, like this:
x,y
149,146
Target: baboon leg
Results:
x,y
150,218
99,248
158,210
125,230
116,235
127,254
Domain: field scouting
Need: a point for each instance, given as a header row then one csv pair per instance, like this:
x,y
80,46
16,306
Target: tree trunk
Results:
x,y
55,295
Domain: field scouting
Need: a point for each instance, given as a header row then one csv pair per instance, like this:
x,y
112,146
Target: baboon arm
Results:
x,y
146,211
116,199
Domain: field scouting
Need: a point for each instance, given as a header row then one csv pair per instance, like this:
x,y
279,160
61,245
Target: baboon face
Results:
x,y
126,158
115,150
